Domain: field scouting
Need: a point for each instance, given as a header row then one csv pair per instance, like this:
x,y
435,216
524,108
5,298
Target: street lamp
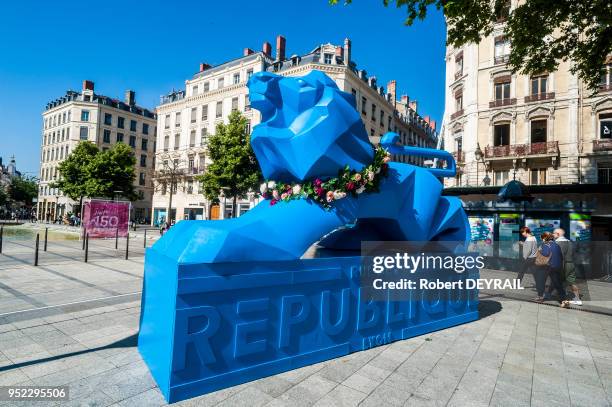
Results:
x,y
479,156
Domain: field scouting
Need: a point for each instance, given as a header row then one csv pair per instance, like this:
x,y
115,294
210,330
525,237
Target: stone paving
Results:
x,y
71,323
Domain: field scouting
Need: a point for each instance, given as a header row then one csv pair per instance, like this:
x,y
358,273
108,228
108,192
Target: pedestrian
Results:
x,y
569,271
549,258
530,248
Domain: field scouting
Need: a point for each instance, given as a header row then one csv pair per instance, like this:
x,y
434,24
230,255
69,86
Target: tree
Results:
x,y
23,189
111,171
168,174
3,196
234,168
74,171
542,32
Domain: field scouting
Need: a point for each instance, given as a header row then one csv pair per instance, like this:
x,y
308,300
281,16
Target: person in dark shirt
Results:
x,y
552,250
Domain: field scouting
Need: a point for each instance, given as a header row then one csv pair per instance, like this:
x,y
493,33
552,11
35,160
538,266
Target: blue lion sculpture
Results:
x,y
311,129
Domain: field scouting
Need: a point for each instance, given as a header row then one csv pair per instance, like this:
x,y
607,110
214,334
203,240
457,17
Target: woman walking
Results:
x,y
530,248
550,260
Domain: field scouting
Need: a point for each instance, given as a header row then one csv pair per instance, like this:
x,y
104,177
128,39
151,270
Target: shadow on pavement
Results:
x,y
486,308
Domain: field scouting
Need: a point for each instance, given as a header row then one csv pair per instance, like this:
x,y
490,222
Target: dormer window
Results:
x,y
327,58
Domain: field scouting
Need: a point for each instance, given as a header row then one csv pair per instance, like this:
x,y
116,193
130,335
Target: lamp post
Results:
x,y
480,158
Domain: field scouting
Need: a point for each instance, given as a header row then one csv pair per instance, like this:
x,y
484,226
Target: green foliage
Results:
x,y
3,196
23,189
89,172
542,32
234,167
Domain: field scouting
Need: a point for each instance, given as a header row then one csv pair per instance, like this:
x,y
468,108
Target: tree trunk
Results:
x,y
234,207
80,215
169,215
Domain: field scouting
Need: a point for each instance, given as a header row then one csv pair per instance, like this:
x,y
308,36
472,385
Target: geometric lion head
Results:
x,y
309,127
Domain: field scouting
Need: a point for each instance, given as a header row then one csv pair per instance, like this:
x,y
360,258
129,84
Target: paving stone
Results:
x,y
249,397
341,396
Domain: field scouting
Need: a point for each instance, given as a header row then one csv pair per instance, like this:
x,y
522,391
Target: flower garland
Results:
x,y
325,192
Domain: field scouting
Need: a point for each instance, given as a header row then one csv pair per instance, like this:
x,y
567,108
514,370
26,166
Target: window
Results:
x,y
248,127
164,188
177,119
119,137
167,122
106,136
206,86
363,105
605,126
538,176
219,111
373,118
388,123
84,115
192,136
501,177
194,90
190,164
372,134
501,134
166,143
249,74
538,131
604,174
502,89
133,141
247,103
327,58
382,118
177,141
194,114
539,84
459,65
144,144
605,82
141,178
459,101
204,112
220,83
108,119
204,137
121,122
502,49
236,78
133,125
143,160
234,104
503,11
190,186
83,132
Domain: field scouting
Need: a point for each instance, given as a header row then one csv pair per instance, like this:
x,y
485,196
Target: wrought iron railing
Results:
x,y
521,150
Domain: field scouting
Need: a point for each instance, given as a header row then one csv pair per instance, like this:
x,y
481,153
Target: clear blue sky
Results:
x,y
153,46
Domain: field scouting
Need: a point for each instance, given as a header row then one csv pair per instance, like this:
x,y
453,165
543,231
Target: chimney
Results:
x,y
347,52
413,105
204,66
247,51
267,49
339,52
280,48
432,124
426,118
372,81
130,97
391,88
88,85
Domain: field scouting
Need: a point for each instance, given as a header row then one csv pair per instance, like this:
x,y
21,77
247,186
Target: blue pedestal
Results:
x,y
205,327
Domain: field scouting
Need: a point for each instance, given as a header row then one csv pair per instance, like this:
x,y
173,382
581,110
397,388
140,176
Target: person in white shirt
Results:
x,y
530,247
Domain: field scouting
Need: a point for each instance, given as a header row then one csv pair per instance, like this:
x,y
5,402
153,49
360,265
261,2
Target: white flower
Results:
x,y
263,188
271,184
339,194
360,189
377,171
370,175
297,188
275,194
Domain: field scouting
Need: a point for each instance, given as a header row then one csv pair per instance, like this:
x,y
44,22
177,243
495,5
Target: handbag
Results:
x,y
542,260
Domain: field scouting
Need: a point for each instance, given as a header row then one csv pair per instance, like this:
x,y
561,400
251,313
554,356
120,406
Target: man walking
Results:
x,y
568,264
530,247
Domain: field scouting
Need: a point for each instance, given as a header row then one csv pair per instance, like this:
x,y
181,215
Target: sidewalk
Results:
x,y
75,323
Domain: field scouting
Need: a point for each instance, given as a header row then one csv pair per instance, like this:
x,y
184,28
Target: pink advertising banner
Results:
x,y
104,218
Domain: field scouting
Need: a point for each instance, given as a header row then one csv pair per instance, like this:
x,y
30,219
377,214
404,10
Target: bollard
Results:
x,y
127,245
83,247
1,234
86,246
116,238
45,245
144,244
36,249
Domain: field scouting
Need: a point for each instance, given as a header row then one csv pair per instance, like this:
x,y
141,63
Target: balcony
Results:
x,y
602,145
456,114
502,59
459,156
547,148
539,96
193,171
502,102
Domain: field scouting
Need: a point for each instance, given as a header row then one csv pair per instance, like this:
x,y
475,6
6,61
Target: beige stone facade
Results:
x,y
543,129
186,118
85,115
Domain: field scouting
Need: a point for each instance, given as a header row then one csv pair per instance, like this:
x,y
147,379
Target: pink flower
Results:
x,y
284,196
275,194
317,182
330,196
350,186
386,159
357,177
319,191
273,202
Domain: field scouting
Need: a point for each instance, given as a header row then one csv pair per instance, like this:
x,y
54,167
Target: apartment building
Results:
x,y
86,115
186,118
544,129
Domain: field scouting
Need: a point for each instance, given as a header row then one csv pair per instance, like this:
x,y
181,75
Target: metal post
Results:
x,y
45,245
83,247
144,244
116,238
86,246
127,245
36,249
1,234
